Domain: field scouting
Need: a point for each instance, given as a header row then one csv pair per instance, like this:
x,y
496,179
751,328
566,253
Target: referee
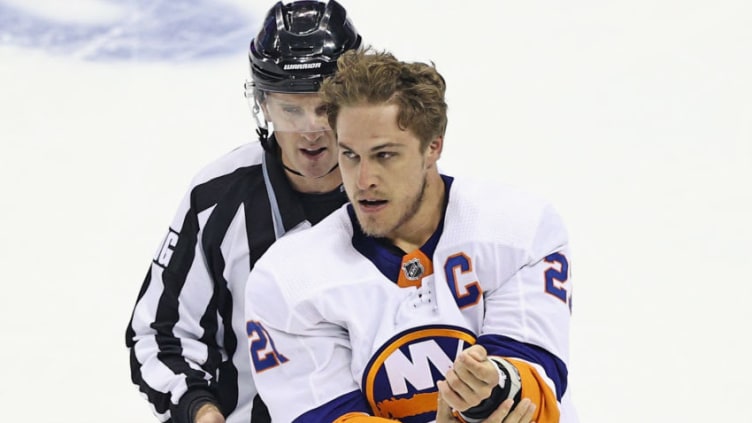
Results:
x,y
187,338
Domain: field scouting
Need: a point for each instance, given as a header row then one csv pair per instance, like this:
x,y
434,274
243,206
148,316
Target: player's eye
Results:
x,y
384,155
349,155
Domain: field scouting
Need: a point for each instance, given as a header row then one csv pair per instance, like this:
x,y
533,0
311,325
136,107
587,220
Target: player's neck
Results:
x,y
415,232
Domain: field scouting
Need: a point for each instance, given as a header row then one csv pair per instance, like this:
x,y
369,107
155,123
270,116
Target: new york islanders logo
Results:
x,y
400,380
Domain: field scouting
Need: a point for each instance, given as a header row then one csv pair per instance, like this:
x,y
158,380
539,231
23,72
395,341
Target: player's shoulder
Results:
x,y
323,242
495,210
244,156
310,261
493,191
491,197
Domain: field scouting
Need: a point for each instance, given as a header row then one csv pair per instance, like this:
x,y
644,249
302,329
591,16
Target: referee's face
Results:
x,y
302,131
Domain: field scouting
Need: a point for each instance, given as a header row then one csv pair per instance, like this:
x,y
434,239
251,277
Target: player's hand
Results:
x,y
523,413
209,413
470,380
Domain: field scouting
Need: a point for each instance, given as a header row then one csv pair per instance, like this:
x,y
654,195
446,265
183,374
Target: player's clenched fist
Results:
x,y
470,380
482,390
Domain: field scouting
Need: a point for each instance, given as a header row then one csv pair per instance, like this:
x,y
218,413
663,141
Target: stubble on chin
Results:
x,y
380,228
370,226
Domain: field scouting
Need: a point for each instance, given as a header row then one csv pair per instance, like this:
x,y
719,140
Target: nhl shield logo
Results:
x,y
413,269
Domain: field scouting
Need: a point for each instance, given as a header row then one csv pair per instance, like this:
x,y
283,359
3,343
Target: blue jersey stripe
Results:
x,y
503,346
351,402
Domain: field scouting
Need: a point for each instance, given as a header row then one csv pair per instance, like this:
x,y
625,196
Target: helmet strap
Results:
x,y
262,126
336,165
263,135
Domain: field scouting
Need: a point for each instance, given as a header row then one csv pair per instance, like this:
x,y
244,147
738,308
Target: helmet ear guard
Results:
x,y
255,97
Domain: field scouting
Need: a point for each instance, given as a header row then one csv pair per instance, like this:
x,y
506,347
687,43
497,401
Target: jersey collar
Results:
x,y
385,255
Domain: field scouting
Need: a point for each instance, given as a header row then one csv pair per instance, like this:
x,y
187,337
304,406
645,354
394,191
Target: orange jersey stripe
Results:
x,y
538,391
361,418
406,407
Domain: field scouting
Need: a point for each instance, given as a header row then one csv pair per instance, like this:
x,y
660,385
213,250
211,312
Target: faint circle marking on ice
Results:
x,y
79,11
112,30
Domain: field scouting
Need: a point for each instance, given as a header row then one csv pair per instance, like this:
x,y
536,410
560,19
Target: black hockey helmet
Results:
x,y
299,44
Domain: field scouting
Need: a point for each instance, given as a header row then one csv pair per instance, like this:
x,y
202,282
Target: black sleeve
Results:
x,y
172,332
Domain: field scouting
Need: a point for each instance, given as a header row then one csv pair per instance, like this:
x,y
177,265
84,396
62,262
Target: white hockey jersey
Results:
x,y
347,323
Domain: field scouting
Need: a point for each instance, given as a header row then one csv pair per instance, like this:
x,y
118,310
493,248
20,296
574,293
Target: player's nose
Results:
x,y
367,177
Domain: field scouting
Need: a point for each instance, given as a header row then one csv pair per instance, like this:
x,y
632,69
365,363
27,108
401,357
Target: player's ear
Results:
x,y
433,150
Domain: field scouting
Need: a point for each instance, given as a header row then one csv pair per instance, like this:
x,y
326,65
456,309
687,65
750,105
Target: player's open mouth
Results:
x,y
371,205
312,153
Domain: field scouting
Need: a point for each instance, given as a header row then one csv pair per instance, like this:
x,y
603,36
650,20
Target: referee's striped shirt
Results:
x,y
187,334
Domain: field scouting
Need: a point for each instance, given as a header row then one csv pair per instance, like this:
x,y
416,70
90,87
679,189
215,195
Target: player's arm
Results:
x,y
526,325
301,362
173,355
304,378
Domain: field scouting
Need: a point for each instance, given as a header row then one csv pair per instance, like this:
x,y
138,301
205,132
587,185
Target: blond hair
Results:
x,y
368,77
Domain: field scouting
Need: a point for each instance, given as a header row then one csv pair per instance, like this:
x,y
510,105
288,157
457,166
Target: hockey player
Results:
x,y
189,354
424,289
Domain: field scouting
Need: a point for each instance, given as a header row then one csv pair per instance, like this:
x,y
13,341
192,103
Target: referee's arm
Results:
x,y
172,333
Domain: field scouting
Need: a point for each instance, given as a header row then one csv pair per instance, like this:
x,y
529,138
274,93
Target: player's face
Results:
x,y
384,171
300,125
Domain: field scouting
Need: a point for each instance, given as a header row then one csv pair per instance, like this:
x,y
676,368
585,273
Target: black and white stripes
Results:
x,y
187,332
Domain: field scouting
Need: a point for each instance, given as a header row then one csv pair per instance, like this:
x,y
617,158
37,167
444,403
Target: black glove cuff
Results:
x,y
481,411
190,402
499,393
